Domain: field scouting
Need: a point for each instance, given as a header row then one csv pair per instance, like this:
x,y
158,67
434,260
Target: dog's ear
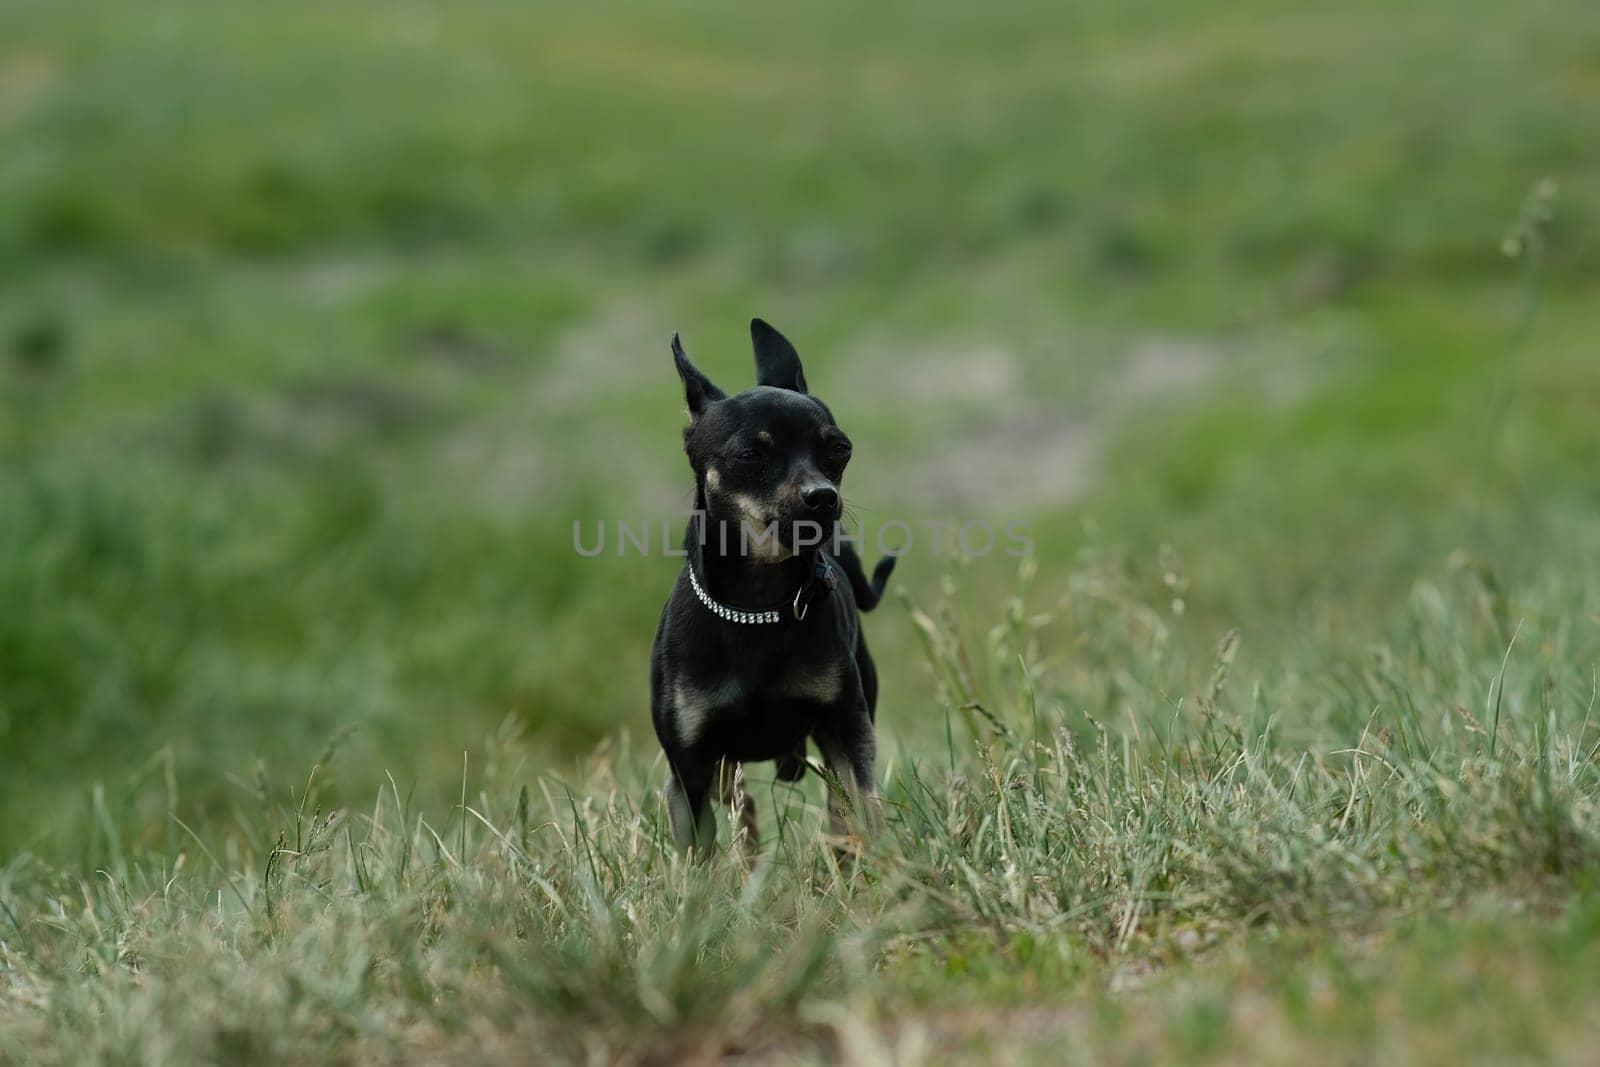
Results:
x,y
697,388
777,363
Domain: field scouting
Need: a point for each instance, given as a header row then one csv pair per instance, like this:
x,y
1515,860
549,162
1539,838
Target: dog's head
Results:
x,y
770,459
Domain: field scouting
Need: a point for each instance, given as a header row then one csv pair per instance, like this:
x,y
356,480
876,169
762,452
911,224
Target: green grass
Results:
x,y
318,330
1185,882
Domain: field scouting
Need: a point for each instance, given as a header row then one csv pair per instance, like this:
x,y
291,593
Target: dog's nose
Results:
x,y
820,497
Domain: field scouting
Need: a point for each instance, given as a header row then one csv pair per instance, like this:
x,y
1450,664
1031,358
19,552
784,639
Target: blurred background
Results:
x,y
320,324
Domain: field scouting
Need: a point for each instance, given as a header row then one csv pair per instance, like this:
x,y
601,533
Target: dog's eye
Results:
x,y
840,447
747,455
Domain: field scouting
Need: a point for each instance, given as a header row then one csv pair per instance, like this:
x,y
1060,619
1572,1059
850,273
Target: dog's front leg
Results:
x,y
850,752
694,824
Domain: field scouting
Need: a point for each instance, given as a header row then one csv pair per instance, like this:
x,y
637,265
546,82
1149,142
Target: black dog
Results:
x,y
760,645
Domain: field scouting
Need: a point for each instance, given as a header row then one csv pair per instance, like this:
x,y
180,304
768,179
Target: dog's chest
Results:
x,y
753,700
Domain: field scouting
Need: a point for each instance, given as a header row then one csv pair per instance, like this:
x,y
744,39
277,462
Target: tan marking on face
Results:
x,y
750,510
713,478
759,542
764,437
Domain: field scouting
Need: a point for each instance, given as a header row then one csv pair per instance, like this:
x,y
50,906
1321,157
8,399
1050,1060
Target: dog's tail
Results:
x,y
867,593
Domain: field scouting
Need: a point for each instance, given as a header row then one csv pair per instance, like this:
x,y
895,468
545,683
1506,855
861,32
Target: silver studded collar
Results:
x,y
799,607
